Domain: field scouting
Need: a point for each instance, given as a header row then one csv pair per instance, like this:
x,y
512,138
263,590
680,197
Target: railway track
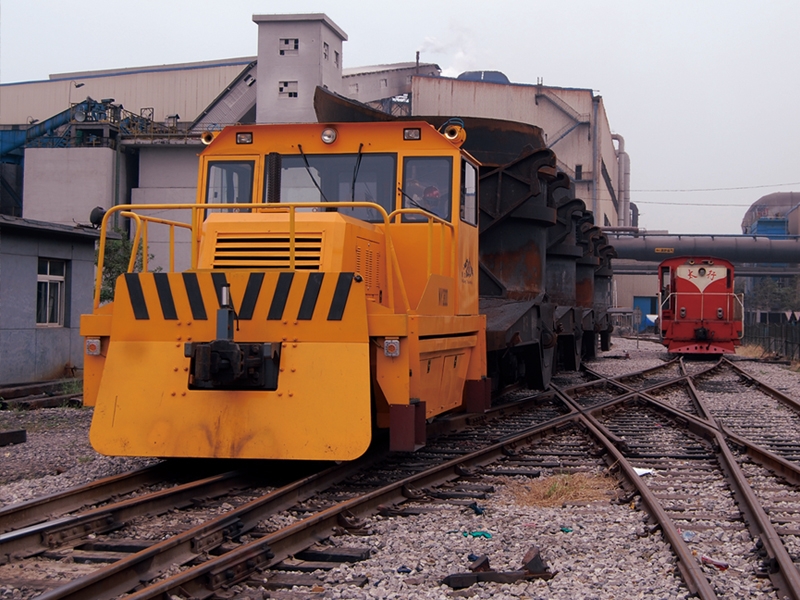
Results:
x,y
49,394
719,492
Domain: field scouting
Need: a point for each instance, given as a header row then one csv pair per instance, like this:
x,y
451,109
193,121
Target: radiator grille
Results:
x,y
368,265
267,251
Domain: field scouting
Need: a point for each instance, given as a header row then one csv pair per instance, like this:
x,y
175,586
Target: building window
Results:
x,y
408,78
353,88
325,49
578,172
384,84
335,59
289,46
50,288
287,89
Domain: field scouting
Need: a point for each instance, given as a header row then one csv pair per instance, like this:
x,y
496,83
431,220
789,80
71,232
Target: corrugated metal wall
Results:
x,y
185,90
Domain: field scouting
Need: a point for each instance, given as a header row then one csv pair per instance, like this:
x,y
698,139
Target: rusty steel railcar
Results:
x,y
545,267
699,312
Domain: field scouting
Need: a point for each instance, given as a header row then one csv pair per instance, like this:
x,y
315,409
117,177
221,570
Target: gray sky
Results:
x,y
705,92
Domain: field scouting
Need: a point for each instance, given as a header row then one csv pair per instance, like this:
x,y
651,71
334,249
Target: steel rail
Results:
x,y
770,460
130,572
616,378
40,509
604,382
692,573
787,578
143,566
48,535
649,370
267,551
458,421
780,396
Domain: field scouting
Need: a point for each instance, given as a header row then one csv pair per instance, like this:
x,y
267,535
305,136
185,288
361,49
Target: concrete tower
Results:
x,y
296,53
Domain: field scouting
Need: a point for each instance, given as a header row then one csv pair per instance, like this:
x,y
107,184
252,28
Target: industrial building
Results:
x,y
46,274
85,139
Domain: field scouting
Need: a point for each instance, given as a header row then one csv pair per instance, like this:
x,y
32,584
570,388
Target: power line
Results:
x,y
726,189
638,202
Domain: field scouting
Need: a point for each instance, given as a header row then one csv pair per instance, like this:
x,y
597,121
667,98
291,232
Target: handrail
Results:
x,y
147,219
137,236
393,268
431,220
739,298
140,236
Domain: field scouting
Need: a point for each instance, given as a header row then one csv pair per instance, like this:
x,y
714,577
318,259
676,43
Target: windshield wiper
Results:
x,y
417,204
310,174
355,174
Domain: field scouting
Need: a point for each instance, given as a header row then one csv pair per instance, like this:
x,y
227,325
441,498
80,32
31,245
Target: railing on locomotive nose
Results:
x,y
735,303
142,222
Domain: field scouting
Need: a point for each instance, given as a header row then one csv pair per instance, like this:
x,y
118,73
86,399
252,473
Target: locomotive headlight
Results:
x,y
391,348
93,346
244,138
328,135
701,271
683,312
719,313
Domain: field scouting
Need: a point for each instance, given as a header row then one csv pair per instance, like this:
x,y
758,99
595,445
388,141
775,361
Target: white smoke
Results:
x,y
454,53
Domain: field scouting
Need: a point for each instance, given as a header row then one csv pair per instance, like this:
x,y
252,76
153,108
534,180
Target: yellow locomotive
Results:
x,y
333,288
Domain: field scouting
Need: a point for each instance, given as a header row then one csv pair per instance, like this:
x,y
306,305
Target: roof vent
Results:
x,y
488,76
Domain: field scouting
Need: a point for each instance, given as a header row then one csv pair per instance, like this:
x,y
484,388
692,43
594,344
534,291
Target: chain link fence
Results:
x,y
781,339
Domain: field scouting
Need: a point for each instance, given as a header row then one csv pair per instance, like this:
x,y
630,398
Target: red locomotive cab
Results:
x,y
698,310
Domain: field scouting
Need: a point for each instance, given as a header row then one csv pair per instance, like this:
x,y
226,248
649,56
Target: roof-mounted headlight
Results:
x,y
328,135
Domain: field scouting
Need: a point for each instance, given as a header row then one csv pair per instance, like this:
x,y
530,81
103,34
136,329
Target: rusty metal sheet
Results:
x,y
491,141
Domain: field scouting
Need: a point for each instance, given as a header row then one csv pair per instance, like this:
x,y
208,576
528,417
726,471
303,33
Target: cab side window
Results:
x,y
427,185
469,193
230,182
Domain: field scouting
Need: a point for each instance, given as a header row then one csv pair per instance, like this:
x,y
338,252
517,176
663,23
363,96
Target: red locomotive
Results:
x,y
699,313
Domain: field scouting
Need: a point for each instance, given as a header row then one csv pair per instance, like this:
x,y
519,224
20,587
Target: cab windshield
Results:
x,y
341,178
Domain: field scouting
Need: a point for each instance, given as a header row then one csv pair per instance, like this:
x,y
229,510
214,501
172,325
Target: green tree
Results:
x,y
773,295
115,261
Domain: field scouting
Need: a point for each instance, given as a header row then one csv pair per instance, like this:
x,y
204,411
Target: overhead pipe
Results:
x,y
623,182
735,248
595,160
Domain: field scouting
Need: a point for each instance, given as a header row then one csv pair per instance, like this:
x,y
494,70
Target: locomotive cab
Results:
x,y
332,288
699,313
